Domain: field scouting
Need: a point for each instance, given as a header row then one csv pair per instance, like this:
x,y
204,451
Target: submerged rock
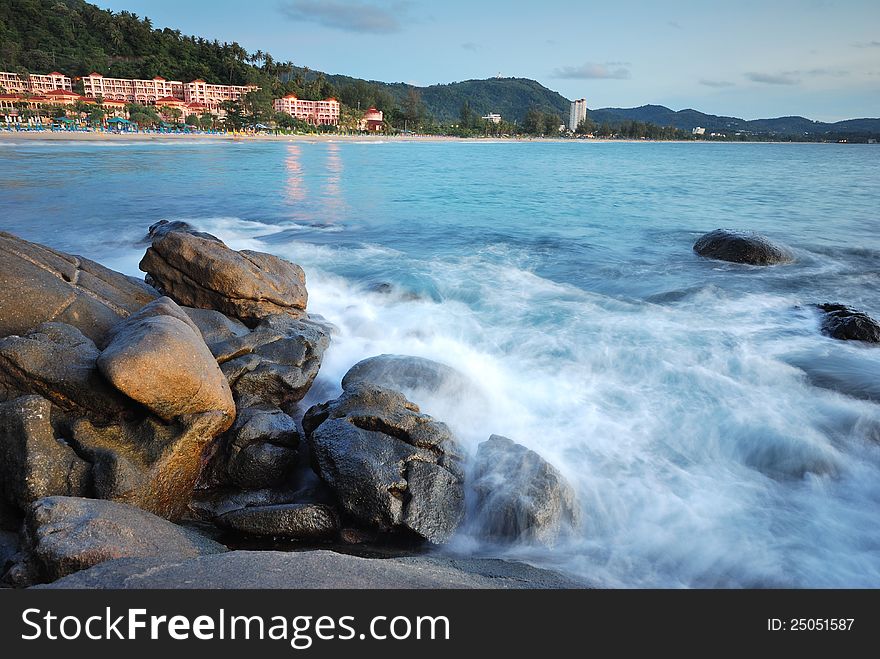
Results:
x,y
520,496
416,377
204,273
313,569
43,285
741,247
390,467
292,521
848,324
158,358
67,534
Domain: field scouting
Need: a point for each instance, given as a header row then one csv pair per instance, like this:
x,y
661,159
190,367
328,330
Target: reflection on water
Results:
x,y
295,187
334,204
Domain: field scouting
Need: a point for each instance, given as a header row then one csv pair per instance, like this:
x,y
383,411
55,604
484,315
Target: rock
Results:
x,y
9,545
39,285
390,467
741,247
294,521
214,326
312,570
34,462
848,324
419,379
66,534
161,361
261,448
276,363
210,504
163,227
205,273
57,362
519,495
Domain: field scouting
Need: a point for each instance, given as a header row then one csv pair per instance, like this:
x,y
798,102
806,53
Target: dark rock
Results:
x,y
313,569
34,462
43,285
419,379
205,273
276,363
520,496
163,227
296,521
158,358
58,363
214,326
210,504
66,534
848,324
390,467
741,247
9,546
261,448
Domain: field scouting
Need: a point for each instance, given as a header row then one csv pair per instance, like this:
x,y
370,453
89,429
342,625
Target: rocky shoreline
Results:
x,y
143,421
153,433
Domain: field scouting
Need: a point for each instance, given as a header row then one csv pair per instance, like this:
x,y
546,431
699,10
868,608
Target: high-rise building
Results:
x,y
578,113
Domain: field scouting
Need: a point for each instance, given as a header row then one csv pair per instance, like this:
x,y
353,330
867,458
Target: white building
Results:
x,y
492,117
699,131
578,113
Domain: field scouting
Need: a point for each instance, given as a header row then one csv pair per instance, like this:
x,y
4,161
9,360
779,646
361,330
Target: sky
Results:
x,y
750,59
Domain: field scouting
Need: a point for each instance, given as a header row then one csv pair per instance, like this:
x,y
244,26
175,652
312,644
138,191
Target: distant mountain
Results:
x,y
690,119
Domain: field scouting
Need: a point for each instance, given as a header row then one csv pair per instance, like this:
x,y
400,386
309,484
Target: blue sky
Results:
x,y
751,58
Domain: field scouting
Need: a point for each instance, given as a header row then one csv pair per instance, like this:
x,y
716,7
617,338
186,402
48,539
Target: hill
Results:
x,y
689,119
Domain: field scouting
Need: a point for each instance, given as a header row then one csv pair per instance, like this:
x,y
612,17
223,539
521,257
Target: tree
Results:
x,y
207,121
413,108
96,115
466,116
586,127
192,120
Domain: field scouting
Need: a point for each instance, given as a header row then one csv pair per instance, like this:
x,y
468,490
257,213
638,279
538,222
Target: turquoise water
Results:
x,y
674,392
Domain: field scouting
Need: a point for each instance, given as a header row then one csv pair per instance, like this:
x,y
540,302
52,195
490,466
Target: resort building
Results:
x,y
373,121
577,114
13,83
150,92
493,118
316,113
699,130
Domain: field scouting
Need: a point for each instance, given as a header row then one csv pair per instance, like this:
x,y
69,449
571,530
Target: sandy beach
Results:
x,y
221,137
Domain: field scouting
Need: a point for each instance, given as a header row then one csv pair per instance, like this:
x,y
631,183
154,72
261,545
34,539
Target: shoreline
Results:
x,y
63,136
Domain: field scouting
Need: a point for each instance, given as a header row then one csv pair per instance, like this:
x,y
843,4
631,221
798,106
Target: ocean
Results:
x,y
679,396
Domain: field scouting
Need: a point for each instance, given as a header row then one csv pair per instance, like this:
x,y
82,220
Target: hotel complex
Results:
x,y
174,99
150,92
316,113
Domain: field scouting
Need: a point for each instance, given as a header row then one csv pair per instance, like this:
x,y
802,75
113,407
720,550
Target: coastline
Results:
x,y
71,136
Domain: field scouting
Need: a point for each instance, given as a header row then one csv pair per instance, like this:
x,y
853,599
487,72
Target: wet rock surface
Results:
x,y
848,324
741,247
292,521
390,467
519,495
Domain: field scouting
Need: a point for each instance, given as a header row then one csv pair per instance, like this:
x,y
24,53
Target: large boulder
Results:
x,y
848,324
291,521
158,358
203,272
519,495
276,363
741,247
162,227
34,461
390,467
65,534
135,457
39,284
214,326
312,570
